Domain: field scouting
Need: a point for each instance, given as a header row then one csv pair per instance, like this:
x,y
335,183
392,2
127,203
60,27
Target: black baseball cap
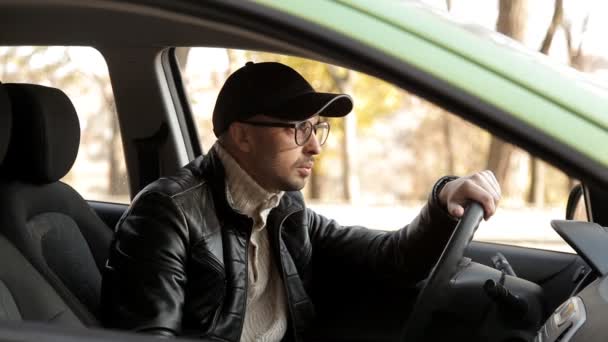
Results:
x,y
275,90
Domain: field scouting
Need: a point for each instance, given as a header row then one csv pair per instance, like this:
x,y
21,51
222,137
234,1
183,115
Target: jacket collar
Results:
x,y
244,194
214,173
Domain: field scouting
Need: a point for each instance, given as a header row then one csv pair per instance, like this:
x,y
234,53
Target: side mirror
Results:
x,y
575,208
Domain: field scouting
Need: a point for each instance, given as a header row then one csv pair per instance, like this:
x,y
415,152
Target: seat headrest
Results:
x,y
6,116
45,134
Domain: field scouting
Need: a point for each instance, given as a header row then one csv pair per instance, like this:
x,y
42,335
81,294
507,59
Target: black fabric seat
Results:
x,y
47,220
24,293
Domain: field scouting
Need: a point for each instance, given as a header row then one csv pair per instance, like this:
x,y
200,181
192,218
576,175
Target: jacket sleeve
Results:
x,y
143,283
411,251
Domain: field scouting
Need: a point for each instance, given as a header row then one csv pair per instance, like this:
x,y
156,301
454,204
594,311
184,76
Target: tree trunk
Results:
x,y
314,186
536,193
556,21
118,185
499,157
575,54
350,178
449,148
117,177
512,17
448,5
447,127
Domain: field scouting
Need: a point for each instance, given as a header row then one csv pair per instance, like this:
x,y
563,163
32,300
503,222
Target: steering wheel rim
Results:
x,y
443,271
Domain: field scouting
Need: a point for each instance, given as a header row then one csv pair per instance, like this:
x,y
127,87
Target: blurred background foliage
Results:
x,y
398,144
81,72
391,149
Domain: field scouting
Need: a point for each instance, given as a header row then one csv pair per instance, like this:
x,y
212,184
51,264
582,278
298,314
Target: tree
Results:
x,y
576,57
537,167
350,180
447,128
512,16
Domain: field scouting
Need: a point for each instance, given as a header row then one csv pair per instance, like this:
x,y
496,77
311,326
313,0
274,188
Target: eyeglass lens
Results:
x,y
305,129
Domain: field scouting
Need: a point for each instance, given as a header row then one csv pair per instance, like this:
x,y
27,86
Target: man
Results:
x,y
224,250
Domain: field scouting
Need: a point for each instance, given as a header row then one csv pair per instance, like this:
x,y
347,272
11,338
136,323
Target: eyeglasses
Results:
x,y
303,130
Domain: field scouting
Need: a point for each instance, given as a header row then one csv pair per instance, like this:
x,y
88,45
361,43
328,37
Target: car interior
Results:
x,y
46,219
54,242
26,295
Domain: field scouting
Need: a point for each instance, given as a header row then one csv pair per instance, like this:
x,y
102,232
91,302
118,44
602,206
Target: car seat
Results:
x,y
47,220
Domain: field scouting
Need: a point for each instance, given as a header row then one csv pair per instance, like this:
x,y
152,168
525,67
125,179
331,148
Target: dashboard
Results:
x,y
582,316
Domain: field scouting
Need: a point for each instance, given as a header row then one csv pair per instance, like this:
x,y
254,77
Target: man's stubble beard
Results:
x,y
287,185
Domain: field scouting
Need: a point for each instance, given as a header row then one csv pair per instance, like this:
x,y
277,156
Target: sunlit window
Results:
x,y
99,172
381,161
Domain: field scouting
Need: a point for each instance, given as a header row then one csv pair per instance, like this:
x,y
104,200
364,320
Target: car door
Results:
x,y
109,212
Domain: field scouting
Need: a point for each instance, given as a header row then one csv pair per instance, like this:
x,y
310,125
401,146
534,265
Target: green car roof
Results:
x,y
551,97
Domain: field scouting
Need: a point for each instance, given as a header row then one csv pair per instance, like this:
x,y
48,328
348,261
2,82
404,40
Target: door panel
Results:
x,y
109,213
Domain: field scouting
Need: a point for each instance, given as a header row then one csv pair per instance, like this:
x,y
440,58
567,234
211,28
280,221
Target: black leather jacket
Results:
x,y
178,262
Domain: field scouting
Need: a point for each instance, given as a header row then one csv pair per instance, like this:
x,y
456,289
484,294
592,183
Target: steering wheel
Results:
x,y
434,291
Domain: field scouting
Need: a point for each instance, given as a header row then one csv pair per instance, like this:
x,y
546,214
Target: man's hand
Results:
x,y
480,187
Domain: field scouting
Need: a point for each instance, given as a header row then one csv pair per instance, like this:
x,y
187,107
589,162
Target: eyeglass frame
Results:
x,y
293,125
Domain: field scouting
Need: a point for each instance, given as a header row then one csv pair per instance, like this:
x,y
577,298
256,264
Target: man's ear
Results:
x,y
240,136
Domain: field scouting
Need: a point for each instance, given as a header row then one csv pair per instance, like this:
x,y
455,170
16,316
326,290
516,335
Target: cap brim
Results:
x,y
310,104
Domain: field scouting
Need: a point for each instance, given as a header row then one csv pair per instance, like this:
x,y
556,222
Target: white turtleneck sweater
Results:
x,y
266,313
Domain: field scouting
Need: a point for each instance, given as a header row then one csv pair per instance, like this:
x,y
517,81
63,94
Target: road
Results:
x,y
515,226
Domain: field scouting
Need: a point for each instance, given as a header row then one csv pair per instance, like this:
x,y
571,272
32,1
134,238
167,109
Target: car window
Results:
x,y
580,210
381,161
99,172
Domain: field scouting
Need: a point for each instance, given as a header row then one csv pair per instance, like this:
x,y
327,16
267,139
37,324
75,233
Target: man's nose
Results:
x,y
312,146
